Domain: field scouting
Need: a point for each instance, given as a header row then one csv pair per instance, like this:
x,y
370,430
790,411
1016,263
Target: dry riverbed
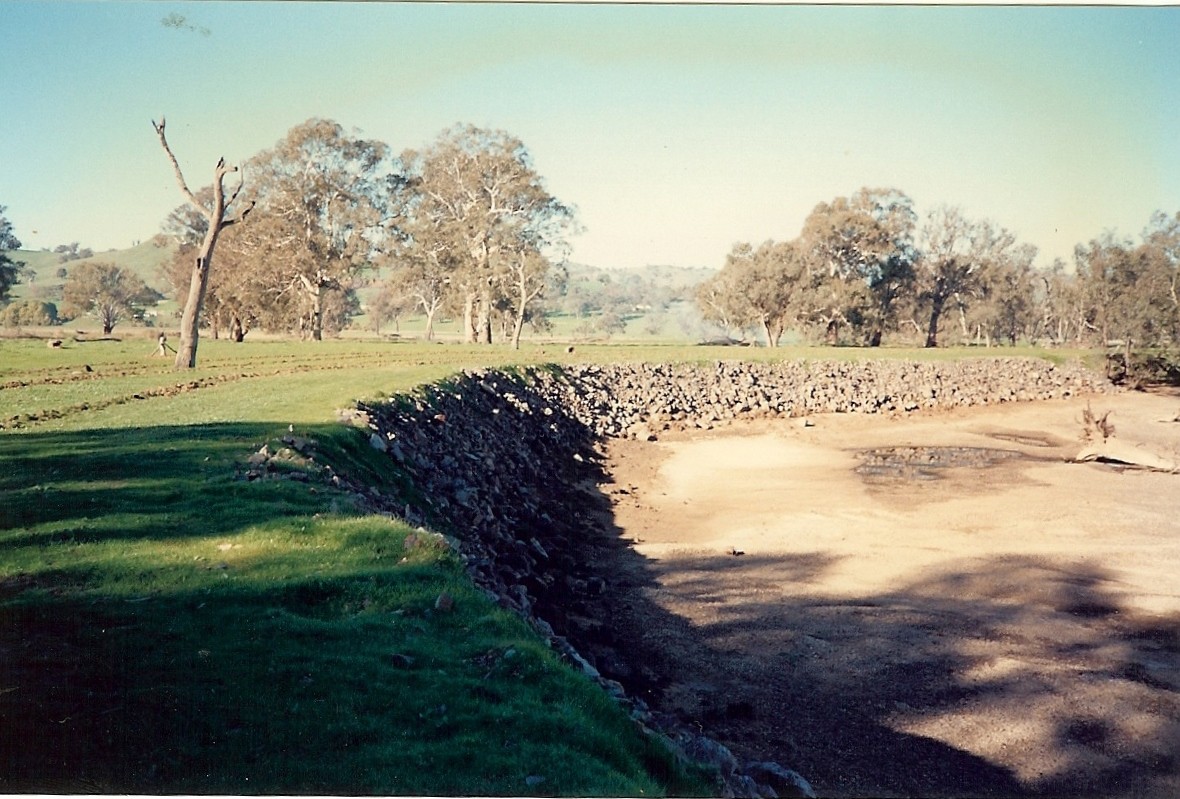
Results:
x,y
932,605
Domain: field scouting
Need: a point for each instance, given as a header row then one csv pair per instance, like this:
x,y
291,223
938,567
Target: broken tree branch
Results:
x,y
159,128
238,217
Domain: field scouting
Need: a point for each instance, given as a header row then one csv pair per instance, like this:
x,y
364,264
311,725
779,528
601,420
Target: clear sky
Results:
x,y
676,130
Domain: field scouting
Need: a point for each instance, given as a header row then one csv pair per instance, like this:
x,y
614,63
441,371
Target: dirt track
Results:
x,y
980,620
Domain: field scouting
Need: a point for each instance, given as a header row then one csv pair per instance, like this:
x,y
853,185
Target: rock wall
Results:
x,y
612,399
506,463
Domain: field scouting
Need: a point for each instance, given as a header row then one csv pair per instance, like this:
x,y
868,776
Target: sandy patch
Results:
x,y
962,595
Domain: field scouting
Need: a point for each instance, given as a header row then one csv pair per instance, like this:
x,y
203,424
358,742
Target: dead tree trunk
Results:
x,y
218,218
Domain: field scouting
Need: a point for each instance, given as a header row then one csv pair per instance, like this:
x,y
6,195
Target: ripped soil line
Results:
x,y
34,418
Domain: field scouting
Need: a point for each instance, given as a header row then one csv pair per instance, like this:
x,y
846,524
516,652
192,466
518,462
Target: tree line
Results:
x,y
463,227
865,267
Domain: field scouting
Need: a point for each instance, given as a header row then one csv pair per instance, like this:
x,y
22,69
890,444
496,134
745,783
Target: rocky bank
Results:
x,y
506,463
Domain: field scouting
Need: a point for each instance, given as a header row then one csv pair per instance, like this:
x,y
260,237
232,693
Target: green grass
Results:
x,y
144,259
168,627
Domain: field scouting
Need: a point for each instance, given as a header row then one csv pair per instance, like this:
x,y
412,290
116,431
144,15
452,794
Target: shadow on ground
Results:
x,y
1004,677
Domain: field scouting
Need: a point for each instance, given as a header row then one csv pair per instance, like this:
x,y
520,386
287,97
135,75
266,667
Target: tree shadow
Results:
x,y
1008,676
95,486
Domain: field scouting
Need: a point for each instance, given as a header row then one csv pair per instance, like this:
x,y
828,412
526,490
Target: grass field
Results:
x,y
167,626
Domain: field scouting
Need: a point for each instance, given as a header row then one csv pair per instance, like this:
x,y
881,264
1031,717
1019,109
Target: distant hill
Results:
x,y
673,277
42,278
654,301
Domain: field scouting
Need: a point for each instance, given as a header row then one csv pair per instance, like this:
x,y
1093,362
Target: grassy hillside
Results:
x,y
168,626
41,280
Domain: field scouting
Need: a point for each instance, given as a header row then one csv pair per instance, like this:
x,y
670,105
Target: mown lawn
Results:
x,y
167,626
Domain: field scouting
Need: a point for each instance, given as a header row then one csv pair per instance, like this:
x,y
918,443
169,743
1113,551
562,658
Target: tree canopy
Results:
x,y
477,222
10,270
108,292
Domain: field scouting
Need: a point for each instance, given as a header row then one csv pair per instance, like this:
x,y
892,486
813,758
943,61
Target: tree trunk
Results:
x,y
469,319
186,351
317,313
429,334
516,329
935,315
484,319
773,333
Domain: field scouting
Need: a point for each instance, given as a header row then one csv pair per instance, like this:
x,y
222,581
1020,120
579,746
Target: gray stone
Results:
x,y
784,781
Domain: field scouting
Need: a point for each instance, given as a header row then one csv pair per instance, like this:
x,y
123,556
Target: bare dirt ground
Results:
x,y
959,612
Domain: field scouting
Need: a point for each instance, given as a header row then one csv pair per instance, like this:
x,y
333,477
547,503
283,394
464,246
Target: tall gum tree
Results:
x,y
528,276
865,243
1128,291
423,266
958,258
760,285
219,214
325,194
476,193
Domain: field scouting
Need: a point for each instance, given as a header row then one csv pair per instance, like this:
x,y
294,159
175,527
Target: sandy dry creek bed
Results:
x,y
935,605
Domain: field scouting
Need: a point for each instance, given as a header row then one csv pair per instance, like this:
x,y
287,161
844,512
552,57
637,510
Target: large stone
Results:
x,y
784,781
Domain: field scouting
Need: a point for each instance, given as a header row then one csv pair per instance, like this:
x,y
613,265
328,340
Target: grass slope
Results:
x,y
144,259
168,628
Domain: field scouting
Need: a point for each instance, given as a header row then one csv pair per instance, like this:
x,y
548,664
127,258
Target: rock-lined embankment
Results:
x,y
507,463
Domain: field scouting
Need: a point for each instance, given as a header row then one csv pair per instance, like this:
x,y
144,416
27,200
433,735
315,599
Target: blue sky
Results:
x,y
676,130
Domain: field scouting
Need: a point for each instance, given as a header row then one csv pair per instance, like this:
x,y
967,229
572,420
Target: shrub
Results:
x,y
29,313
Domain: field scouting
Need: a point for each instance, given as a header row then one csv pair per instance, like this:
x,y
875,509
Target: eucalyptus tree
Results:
x,y
9,269
957,256
325,194
475,195
1128,291
863,251
1058,299
219,212
424,266
530,278
110,292
1003,305
1163,237
762,286
722,299
386,306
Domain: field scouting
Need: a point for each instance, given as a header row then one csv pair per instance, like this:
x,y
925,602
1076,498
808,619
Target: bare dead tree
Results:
x,y
219,217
